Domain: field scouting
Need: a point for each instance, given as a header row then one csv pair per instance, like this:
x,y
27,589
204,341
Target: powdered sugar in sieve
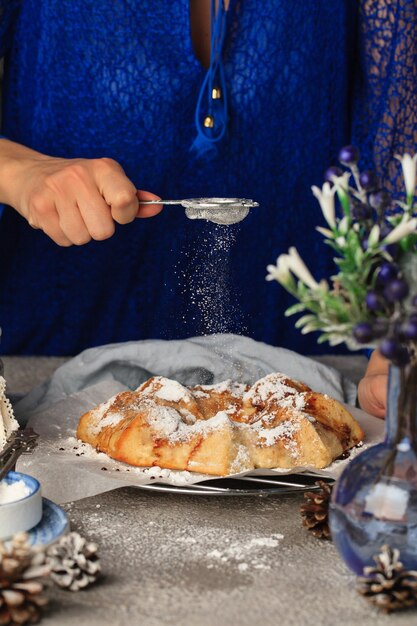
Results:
x,y
225,211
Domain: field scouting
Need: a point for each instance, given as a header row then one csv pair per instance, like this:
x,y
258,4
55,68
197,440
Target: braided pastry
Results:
x,y
221,429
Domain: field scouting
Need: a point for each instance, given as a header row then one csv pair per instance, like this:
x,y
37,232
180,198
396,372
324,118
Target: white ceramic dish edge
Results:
x,y
21,515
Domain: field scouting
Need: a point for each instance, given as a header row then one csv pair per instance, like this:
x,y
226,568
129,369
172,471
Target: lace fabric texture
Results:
x,y
120,79
385,120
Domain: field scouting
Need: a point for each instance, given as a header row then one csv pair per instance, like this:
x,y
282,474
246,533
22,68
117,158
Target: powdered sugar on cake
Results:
x,y
285,432
101,420
230,426
241,460
169,424
227,386
171,391
166,389
274,387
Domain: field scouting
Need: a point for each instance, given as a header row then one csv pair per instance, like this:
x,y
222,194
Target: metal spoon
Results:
x,y
224,211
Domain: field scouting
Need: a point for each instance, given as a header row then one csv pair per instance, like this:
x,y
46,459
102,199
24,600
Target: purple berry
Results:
x,y
331,172
387,272
393,249
363,332
389,348
380,328
409,330
368,180
349,155
373,301
395,290
361,211
402,357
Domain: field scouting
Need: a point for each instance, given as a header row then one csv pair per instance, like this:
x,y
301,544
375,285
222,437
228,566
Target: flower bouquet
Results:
x,y
370,301
374,238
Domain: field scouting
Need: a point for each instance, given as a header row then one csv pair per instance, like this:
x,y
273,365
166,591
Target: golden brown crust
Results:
x,y
221,429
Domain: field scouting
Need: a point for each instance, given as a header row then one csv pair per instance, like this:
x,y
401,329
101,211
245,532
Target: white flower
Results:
x,y
325,196
341,182
280,271
325,232
409,167
341,241
373,236
299,268
405,227
343,225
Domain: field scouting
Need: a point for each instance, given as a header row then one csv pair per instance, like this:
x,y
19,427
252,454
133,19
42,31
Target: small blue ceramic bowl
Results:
x,y
23,514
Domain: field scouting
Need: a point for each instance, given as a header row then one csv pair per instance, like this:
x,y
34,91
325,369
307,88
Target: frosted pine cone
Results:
x,y
389,586
74,562
23,573
315,511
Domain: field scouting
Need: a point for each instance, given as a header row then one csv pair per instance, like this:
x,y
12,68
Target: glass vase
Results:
x,y
374,502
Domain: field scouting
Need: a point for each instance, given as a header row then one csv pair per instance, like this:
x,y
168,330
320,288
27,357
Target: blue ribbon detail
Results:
x,y
205,144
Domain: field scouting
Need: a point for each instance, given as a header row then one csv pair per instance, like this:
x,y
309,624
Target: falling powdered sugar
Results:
x,y
211,300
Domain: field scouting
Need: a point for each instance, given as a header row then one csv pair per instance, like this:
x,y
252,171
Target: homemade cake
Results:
x,y
221,429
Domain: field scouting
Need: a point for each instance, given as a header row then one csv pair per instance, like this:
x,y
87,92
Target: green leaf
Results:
x,y
299,307
305,320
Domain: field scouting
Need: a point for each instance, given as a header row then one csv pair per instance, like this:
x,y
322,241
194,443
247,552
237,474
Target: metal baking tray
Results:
x,y
245,486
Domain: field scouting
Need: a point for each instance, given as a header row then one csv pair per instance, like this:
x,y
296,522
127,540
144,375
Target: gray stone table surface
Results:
x,y
205,561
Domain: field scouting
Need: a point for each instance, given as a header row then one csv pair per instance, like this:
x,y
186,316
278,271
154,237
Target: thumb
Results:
x,y
148,210
372,394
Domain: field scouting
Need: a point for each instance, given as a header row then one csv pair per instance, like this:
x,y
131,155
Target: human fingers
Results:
x,y
83,212
148,210
377,364
73,225
95,213
117,190
42,214
372,394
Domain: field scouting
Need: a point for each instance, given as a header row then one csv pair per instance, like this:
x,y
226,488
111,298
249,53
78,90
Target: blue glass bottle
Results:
x,y
374,502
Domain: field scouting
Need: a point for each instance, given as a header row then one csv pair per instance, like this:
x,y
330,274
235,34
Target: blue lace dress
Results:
x,y
119,78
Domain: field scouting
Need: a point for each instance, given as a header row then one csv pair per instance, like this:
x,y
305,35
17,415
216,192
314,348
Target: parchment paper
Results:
x,y
69,470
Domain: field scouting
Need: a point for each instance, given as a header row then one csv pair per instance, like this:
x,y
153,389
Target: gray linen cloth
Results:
x,y
198,360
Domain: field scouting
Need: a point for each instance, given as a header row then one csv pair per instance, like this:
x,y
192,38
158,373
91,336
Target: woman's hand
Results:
x,y
372,389
71,200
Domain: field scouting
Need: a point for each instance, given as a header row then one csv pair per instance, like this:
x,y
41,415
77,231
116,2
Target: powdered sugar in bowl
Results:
x,y
20,504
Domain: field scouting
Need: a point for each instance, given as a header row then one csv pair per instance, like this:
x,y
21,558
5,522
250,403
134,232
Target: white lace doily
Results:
x,y
8,422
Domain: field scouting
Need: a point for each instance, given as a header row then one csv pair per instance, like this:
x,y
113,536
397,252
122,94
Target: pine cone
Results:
x,y
315,511
23,573
74,562
389,586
